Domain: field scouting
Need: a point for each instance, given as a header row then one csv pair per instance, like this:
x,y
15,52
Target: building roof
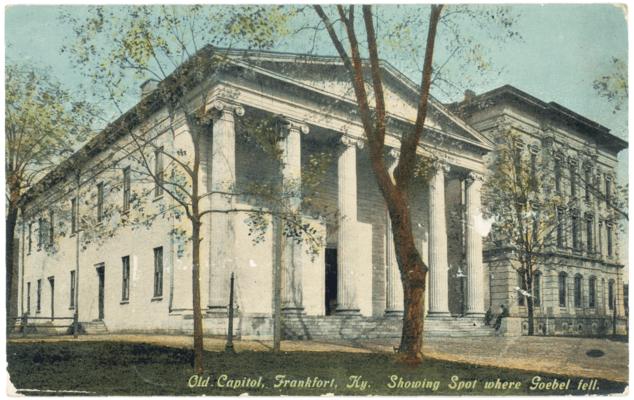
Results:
x,y
156,99
555,111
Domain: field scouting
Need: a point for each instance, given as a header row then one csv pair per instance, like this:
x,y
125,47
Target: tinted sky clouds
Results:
x,y
564,48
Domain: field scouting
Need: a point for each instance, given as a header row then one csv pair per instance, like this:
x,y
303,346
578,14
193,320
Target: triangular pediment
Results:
x,y
327,75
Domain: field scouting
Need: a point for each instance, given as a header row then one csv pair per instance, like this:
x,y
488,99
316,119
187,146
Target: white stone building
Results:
x,y
139,280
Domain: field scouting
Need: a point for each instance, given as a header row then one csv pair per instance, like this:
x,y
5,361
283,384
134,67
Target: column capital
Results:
x,y
350,141
474,176
289,125
441,166
221,107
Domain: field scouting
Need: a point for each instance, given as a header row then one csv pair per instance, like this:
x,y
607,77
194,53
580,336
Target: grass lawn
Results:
x,y
107,368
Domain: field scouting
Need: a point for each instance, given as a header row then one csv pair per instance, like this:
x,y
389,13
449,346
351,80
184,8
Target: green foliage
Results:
x,y
44,123
424,168
116,47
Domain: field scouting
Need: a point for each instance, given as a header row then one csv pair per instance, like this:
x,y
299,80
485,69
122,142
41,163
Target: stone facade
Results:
x,y
139,280
581,270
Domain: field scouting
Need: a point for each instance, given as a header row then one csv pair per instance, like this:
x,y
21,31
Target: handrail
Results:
x,y
23,322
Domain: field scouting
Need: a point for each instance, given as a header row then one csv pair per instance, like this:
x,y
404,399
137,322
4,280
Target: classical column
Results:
x,y
223,180
475,270
438,267
291,163
346,236
394,286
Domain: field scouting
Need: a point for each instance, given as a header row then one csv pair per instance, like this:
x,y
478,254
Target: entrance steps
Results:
x,y
457,327
307,327
94,328
303,327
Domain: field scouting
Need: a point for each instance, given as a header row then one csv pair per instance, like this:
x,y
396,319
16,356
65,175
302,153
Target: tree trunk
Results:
x,y
11,265
277,284
198,320
413,275
413,323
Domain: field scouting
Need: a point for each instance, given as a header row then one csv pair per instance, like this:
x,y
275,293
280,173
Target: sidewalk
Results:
x,y
576,357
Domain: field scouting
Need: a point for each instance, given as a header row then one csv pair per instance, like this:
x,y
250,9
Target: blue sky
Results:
x,y
564,48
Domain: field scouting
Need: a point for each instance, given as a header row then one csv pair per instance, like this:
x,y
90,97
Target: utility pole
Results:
x,y
229,346
277,284
76,228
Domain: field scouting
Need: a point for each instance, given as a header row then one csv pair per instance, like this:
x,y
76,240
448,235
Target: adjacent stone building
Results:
x,y
579,285
139,279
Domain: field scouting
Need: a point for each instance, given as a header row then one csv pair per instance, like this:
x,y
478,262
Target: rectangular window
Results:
x,y
588,185
51,228
99,201
73,215
592,294
533,178
557,175
537,289
577,291
158,272
40,233
125,278
589,236
126,189
609,237
611,295
535,230
72,289
608,189
575,231
158,172
38,298
30,246
28,298
562,290
573,182
560,228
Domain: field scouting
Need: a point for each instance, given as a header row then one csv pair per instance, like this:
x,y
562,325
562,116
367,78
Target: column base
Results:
x,y
394,313
438,314
474,314
293,310
348,311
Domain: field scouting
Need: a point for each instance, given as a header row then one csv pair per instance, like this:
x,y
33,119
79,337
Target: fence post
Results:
x,y
75,324
25,320
229,345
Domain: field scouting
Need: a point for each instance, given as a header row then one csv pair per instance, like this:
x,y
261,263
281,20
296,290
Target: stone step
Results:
x,y
94,328
356,327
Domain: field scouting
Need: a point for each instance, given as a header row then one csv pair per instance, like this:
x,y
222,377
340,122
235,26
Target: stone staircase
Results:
x,y
93,328
339,327
357,327
457,327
